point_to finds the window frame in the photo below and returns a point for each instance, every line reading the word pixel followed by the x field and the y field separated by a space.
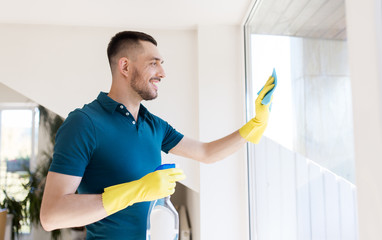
pixel 249 100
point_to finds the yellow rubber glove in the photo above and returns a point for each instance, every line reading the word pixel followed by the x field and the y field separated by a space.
pixel 254 129
pixel 155 185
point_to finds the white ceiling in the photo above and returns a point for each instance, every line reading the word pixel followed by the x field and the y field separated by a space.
pixel 324 19
pixel 162 14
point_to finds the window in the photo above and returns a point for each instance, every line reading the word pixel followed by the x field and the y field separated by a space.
pixel 18 148
pixel 301 175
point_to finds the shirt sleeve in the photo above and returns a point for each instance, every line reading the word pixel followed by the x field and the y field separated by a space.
pixel 74 146
pixel 171 137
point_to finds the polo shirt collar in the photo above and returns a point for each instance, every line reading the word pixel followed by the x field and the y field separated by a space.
pixel 110 105
pixel 107 102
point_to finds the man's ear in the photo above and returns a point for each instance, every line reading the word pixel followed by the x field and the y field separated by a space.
pixel 123 66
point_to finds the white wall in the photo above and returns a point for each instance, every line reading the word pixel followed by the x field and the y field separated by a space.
pixel 223 185
pixel 202 96
pixel 47 64
pixel 8 95
pixel 364 21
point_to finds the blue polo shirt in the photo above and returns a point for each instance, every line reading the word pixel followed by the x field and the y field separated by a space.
pixel 103 144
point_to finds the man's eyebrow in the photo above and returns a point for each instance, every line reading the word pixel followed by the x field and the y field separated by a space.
pixel 158 59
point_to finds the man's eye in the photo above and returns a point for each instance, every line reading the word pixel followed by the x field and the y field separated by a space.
pixel 154 63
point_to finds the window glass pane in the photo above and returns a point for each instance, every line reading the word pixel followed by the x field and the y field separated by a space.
pixel 312 112
pixel 268 53
pixel 16 139
pixel 301 174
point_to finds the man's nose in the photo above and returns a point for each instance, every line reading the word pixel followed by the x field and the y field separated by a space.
pixel 161 72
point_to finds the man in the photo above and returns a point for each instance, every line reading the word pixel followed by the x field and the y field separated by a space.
pixel 109 149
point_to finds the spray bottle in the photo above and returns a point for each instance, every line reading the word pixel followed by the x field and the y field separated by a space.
pixel 162 218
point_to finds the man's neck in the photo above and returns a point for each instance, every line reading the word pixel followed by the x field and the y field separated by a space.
pixel 128 99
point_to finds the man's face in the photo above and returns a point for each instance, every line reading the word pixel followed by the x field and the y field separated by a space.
pixel 147 71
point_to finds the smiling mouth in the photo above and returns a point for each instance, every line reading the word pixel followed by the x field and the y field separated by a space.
pixel 155 83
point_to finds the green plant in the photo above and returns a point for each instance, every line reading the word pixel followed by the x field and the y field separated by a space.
pixel 37 178
pixel 35 188
pixel 17 209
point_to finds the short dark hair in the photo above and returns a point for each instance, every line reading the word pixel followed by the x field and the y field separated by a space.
pixel 125 40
